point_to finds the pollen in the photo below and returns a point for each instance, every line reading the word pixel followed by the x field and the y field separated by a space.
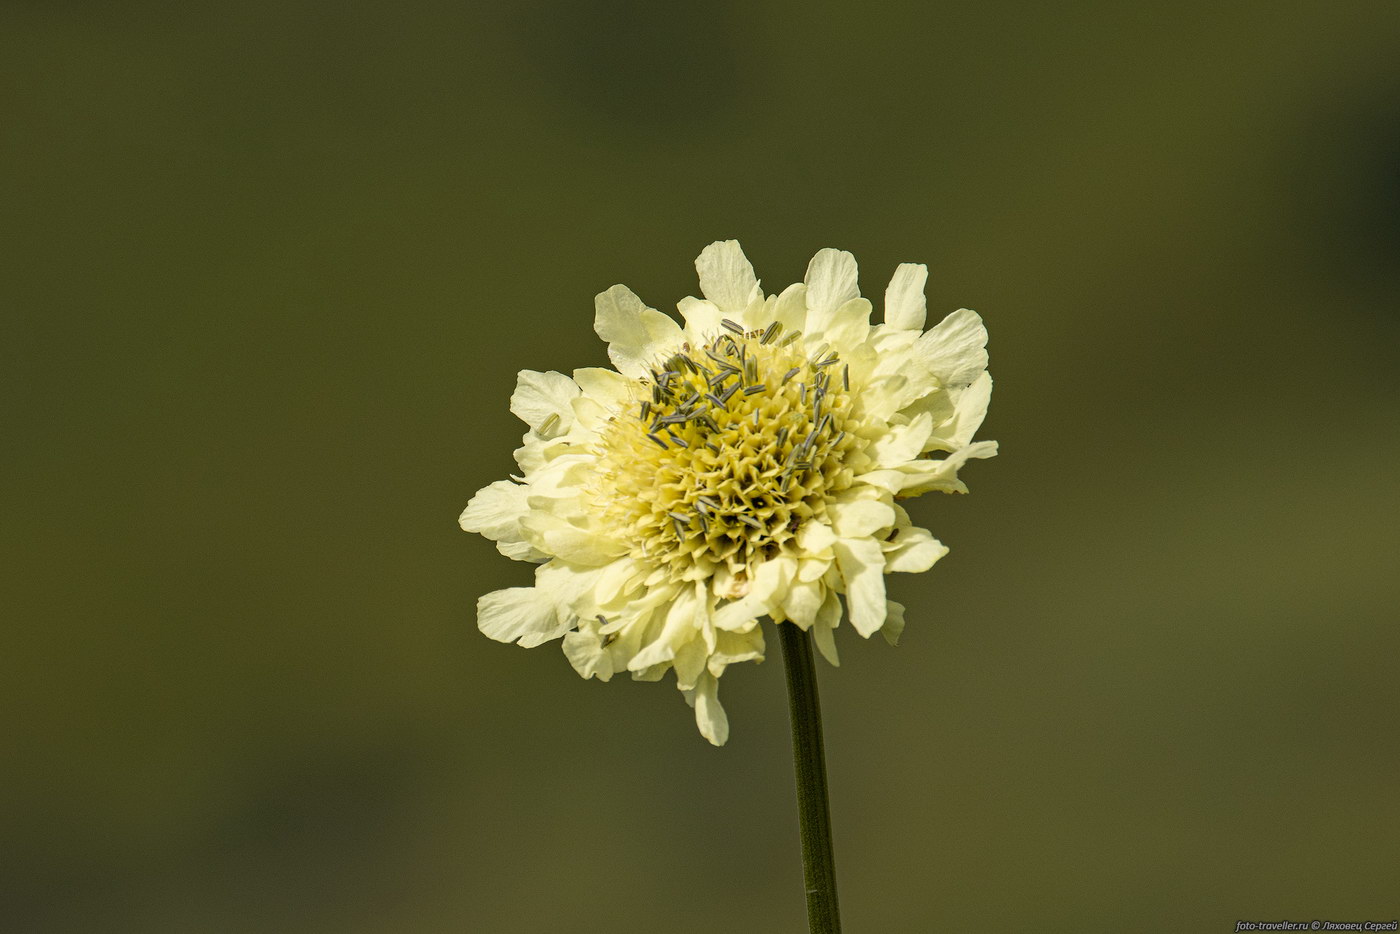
pixel 726 450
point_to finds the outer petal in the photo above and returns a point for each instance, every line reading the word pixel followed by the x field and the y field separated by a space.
pixel 702 318
pixel 603 385
pixel 956 350
pixel 709 715
pixel 905 305
pixel 519 614
pixel 831 282
pixel 790 308
pixel 539 395
pixel 586 652
pixel 970 410
pixel 733 647
pixel 802 602
pixel 766 590
pixel 860 518
pixel 726 277
pixel 680 628
pixel 862 565
pixel 901 443
pixel 914 551
pixel 634 332
pixel 496 510
pixel 849 326
pixel 922 476
pixel 823 627
pixel 894 622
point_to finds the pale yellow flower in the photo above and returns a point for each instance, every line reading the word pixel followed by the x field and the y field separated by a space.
pixel 746 464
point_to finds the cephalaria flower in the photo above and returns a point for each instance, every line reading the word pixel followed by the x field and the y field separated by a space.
pixel 747 463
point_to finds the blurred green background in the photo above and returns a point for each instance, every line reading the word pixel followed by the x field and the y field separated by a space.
pixel 270 272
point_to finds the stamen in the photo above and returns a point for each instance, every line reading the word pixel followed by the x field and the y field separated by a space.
pixel 749 520
pixel 790 374
pixel 548 424
pixel 770 332
pixel 791 339
pixel 846 376
pixel 756 387
pixel 731 326
pixel 659 443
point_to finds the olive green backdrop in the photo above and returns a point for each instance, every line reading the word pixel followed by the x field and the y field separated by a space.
pixel 270 270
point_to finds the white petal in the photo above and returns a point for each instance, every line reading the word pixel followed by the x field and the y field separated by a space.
pixel 522 614
pixel 905 305
pixel 634 332
pixel 955 350
pixel 894 622
pixel 831 282
pixel 914 550
pixel 496 510
pixel 862 565
pixel 709 715
pixel 827 619
pixel 539 395
pixel 726 277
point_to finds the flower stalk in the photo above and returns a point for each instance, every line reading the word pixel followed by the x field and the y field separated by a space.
pixel 809 762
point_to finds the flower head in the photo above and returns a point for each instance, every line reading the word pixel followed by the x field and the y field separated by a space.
pixel 746 464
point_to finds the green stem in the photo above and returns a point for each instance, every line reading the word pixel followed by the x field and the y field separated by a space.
pixel 809 760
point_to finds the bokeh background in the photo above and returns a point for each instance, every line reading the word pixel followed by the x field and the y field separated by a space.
pixel 270 269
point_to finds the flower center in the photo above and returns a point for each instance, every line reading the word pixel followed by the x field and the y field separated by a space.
pixel 726 450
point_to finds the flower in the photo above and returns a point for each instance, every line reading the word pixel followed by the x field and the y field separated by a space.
pixel 745 465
